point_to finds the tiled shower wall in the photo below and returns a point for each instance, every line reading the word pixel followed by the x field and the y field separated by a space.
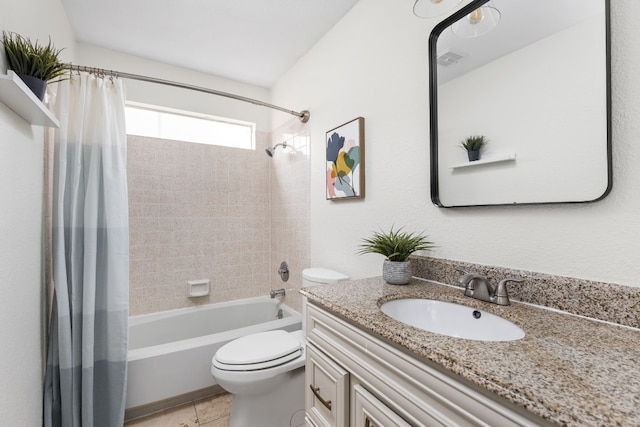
pixel 290 207
pixel 197 212
pixel 224 214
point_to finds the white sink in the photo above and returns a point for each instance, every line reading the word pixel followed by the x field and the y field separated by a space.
pixel 451 319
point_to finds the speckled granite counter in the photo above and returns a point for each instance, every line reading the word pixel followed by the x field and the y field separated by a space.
pixel 567 369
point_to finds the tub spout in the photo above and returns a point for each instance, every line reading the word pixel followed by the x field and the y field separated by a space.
pixel 276 292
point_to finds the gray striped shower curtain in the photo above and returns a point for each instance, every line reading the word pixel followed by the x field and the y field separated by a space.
pixel 85 379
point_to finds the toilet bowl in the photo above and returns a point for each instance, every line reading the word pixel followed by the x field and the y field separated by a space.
pixel 265 374
pixel 265 371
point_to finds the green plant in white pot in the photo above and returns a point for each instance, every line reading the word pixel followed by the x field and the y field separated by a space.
pixel 34 63
pixel 396 246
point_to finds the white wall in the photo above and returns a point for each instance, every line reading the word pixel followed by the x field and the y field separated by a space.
pixel 21 178
pixel 374 64
pixel 150 93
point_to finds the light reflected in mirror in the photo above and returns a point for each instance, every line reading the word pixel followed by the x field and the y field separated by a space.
pixel 536 86
pixel 433 8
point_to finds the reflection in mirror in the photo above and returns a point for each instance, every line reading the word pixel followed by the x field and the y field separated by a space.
pixel 433 8
pixel 536 86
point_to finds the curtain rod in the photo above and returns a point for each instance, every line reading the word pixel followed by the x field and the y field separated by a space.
pixel 302 115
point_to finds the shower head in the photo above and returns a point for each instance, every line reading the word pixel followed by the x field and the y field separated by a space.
pixel 271 150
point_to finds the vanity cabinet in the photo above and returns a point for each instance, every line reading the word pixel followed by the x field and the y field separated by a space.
pixel 371 383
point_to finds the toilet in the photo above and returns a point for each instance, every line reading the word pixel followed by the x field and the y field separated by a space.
pixel 265 371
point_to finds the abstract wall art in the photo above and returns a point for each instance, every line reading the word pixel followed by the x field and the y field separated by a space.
pixel 345 161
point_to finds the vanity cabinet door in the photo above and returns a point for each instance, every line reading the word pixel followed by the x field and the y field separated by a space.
pixel 371 412
pixel 327 390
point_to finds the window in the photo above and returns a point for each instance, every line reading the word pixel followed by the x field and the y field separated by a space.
pixel 166 123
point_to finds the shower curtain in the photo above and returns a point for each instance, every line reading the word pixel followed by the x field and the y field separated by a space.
pixel 85 379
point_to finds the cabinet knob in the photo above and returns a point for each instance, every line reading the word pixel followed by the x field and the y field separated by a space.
pixel 316 393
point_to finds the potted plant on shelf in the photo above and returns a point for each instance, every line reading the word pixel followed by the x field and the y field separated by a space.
pixel 473 144
pixel 396 246
pixel 35 64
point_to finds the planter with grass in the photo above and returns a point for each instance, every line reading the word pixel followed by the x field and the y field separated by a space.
pixel 473 145
pixel 34 63
pixel 396 246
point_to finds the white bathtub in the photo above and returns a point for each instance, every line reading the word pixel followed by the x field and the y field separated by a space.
pixel 170 352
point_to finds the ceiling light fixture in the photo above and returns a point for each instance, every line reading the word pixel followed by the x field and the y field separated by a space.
pixel 479 22
pixel 433 8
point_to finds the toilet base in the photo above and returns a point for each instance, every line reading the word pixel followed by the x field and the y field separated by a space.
pixel 282 406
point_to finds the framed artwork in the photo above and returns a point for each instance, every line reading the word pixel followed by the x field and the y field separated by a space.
pixel 345 161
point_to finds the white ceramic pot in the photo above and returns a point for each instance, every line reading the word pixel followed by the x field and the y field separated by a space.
pixel 396 272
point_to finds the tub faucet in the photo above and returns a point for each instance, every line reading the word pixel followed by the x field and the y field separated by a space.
pixel 276 292
pixel 478 287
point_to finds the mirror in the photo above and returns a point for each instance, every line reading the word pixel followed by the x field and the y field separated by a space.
pixel 537 87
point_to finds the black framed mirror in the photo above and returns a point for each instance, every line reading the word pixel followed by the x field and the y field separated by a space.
pixel 536 85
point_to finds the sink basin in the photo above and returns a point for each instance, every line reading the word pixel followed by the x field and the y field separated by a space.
pixel 451 319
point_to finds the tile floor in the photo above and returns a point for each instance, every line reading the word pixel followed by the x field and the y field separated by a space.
pixel 208 412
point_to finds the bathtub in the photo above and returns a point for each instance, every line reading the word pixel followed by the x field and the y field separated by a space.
pixel 170 352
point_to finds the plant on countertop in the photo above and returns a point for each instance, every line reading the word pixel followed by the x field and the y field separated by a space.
pixel 474 142
pixel 395 245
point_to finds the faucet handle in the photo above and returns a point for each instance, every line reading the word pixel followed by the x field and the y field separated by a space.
pixel 502 295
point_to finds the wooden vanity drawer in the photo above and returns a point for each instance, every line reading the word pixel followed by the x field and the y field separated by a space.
pixel 371 412
pixel 327 392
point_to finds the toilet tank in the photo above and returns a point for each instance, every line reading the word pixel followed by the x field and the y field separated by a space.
pixel 314 277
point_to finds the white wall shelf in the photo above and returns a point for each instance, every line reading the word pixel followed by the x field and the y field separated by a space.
pixel 17 96
pixel 486 161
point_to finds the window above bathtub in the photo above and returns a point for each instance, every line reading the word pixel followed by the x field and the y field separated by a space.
pixel 179 125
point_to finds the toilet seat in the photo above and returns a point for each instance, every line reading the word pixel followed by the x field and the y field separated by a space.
pixel 258 351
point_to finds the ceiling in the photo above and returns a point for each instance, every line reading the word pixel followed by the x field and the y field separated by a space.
pixel 252 41
pixel 522 22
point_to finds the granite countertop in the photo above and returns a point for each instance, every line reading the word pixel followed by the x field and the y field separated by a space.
pixel 567 369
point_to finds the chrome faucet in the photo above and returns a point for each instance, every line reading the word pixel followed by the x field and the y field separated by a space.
pixel 478 287
pixel 276 292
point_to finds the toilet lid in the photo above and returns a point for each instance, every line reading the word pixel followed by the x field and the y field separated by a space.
pixel 258 351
